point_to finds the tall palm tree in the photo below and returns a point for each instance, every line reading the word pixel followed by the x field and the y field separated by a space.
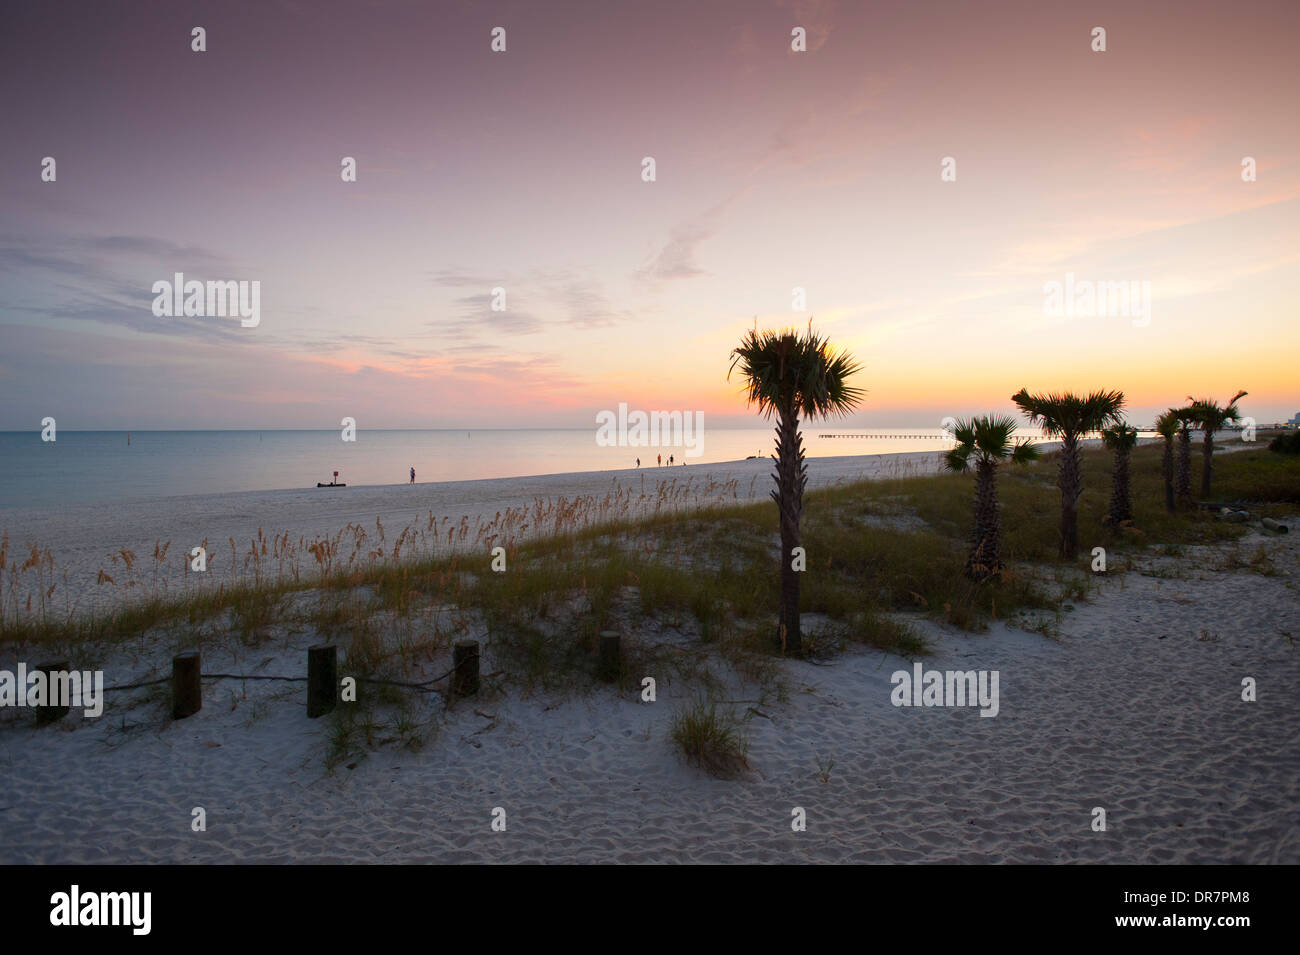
pixel 1069 417
pixel 1167 427
pixel 1186 417
pixel 1212 416
pixel 1120 438
pixel 984 443
pixel 789 375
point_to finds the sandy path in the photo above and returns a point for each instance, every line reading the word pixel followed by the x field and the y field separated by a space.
pixel 1128 710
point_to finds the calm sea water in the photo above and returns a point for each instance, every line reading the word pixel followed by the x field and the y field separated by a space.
pixel 101 467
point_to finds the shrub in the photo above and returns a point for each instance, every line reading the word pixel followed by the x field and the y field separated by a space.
pixel 1286 443
pixel 711 738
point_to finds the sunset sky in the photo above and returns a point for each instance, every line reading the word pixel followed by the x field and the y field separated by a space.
pixel 522 169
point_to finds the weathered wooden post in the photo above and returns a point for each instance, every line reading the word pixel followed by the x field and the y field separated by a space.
pixel 52 709
pixel 187 692
pixel 322 679
pixel 610 665
pixel 464 678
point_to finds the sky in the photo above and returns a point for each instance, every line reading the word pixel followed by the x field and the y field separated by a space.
pixel 775 169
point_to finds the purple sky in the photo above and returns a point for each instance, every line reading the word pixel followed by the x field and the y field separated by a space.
pixel 522 170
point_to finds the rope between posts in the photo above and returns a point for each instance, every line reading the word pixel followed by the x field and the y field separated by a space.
pixel 288 679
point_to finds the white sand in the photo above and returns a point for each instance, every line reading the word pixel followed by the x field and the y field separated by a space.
pixel 1128 710
pixel 83 538
pixel 1135 708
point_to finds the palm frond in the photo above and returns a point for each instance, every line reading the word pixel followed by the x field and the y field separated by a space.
pixel 1119 437
pixel 1167 423
pixel 800 373
pixel 1069 414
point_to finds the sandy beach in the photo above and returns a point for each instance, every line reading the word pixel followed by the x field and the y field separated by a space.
pixel 83 539
pixel 1135 708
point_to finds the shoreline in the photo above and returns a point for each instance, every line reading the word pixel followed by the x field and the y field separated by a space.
pixel 82 540
pixel 1132 702
pixel 85 539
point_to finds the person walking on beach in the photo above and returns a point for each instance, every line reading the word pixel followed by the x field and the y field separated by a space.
pixel 670 460
pixel 661 460
pixel 412 475
pixel 638 462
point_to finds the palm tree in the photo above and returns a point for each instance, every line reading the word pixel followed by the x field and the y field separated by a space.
pixel 1212 417
pixel 1186 417
pixel 1069 417
pixel 1120 438
pixel 1167 427
pixel 986 442
pixel 788 375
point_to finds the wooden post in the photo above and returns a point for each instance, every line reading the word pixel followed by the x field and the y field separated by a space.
pixel 609 655
pixel 322 679
pixel 187 692
pixel 464 679
pixel 53 709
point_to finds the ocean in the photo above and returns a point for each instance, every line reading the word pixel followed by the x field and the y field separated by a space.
pixel 89 467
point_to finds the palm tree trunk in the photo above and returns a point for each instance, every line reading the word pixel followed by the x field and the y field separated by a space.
pixel 1167 465
pixel 1121 508
pixel 1207 462
pixel 791 476
pixel 1184 478
pixel 1071 484
pixel 985 562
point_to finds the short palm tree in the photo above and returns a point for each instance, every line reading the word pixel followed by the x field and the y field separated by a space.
pixel 1069 417
pixel 1186 417
pixel 1212 416
pixel 789 376
pixel 1167 428
pixel 982 444
pixel 1120 438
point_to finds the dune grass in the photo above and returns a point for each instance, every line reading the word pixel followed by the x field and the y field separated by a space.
pixel 688 590
pixel 712 736
pixel 874 548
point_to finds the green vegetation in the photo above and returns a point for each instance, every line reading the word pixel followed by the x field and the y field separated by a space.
pixel 1068 418
pixel 1167 427
pixel 1211 418
pixel 1286 443
pixel 982 444
pixel 692 593
pixel 790 376
pixel 711 736
pixel 1120 439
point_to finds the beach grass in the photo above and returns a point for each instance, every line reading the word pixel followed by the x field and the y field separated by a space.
pixel 711 735
pixel 694 594
pixel 892 545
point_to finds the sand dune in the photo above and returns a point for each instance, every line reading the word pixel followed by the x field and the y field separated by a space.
pixel 1135 708
pixel 82 539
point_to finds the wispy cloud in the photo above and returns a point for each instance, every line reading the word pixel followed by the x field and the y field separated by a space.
pixel 677 258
